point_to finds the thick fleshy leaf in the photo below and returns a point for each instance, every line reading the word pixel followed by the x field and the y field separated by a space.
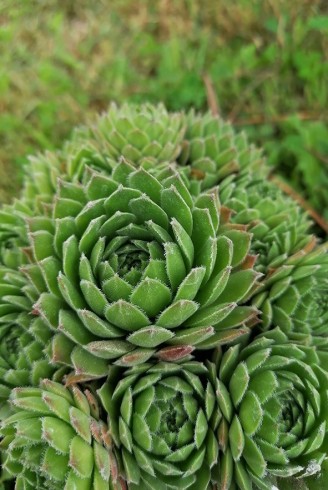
pixel 191 284
pixel 239 383
pixel 184 241
pixel 175 266
pixel 177 313
pixel 150 336
pixel 57 433
pixel 146 183
pixel 126 316
pixel 236 438
pixel 88 364
pixel 98 326
pixel 175 207
pixel 191 336
pixel 250 413
pixel 109 349
pixel 151 296
pixel 71 325
pixel 211 315
pixel 145 209
pixel 94 297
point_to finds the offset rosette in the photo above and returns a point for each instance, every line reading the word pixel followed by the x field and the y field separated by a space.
pixel 22 360
pixel 56 440
pixel 22 343
pixel 13 235
pixel 41 174
pixel 293 296
pixel 134 267
pixel 206 149
pixel 140 133
pixel 279 226
pixel 23 338
pixel 308 321
pixel 312 320
pixel 274 399
pixel 213 150
pixel 162 418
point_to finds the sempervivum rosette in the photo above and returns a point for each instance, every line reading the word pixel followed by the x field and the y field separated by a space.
pixel 290 296
pixel 22 341
pixel 22 359
pixel 163 419
pixel 274 399
pixel 312 320
pixel 204 147
pixel 56 440
pixel 41 174
pixel 178 303
pixel 302 307
pixel 145 135
pixel 134 267
pixel 13 235
pixel 279 226
pixel 212 150
pixel 140 133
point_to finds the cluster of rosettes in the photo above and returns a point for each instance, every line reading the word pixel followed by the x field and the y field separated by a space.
pixel 163 315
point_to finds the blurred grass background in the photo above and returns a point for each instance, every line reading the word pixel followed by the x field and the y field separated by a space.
pixel 263 64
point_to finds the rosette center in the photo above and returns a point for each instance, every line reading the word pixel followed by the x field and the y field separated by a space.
pixel 130 261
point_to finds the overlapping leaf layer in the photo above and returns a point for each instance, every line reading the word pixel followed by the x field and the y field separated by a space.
pixel 163 417
pixel 128 273
pixel 56 440
pixel 163 315
pixel 273 396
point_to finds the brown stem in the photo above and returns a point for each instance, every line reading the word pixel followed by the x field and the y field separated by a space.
pixel 212 100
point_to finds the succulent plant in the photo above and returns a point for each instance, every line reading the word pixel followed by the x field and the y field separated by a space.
pixel 163 419
pixel 163 315
pixel 279 226
pixel 291 295
pixel 22 357
pixel 213 151
pixel 56 440
pixel 204 147
pixel 129 275
pixel 13 235
pixel 141 133
pixel 273 397
pixel 22 342
pixel 144 135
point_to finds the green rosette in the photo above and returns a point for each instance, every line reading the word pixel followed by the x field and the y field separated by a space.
pixel 151 243
pixel 293 296
pixel 203 147
pixel 163 419
pixel 309 320
pixel 145 135
pixel 22 360
pixel 212 151
pixel 279 226
pixel 140 133
pixel 56 440
pixel 22 341
pixel 135 268
pixel 273 397
pixel 13 235
pixel 40 179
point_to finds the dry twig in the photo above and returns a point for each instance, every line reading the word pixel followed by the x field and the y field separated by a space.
pixel 212 100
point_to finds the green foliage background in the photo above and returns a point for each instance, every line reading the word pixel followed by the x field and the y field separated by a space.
pixel 267 61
